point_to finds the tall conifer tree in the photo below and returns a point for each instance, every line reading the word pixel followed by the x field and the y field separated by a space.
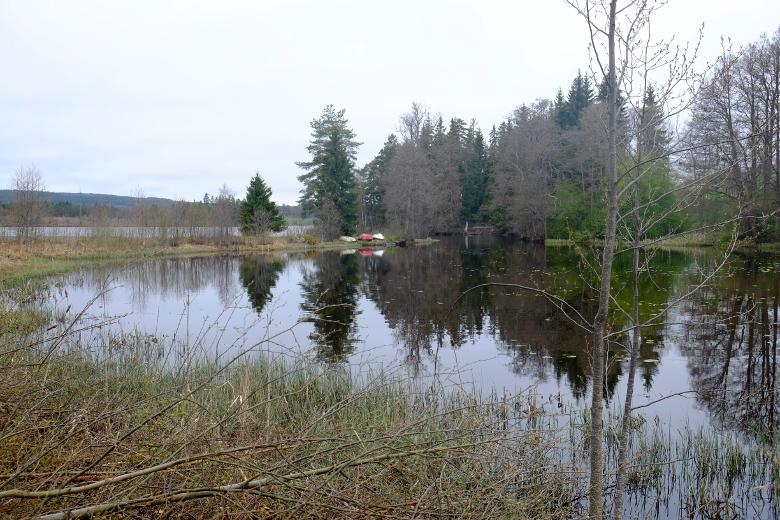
pixel 329 174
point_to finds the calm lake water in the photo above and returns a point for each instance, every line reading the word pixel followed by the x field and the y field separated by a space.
pixel 399 309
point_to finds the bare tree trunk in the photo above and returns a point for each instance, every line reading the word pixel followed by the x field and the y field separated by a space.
pixel 625 427
pixel 776 111
pixel 596 509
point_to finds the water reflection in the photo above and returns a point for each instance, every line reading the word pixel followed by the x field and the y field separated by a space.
pixel 330 290
pixel 401 307
pixel 174 279
pixel 732 346
pixel 259 275
pixel 728 331
pixel 417 290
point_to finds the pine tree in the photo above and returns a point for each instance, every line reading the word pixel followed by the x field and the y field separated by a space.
pixel 330 172
pixel 457 130
pixel 568 111
pixel 439 132
pixel 654 137
pixel 601 96
pixel 258 213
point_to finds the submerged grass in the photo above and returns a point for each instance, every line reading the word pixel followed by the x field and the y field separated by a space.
pixel 698 472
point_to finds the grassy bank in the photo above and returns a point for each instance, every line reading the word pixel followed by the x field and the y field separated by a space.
pixel 682 242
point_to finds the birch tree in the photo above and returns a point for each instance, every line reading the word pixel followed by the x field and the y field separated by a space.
pixel 624 58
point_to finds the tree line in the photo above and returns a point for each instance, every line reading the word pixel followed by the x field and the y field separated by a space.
pixel 214 218
pixel 540 173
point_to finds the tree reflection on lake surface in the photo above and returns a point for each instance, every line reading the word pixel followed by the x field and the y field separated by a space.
pixel 401 308
pixel 330 288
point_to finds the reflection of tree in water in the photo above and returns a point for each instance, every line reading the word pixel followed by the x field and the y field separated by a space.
pixel 732 345
pixel 330 293
pixel 416 290
pixel 174 278
pixel 258 275
pixel 657 287
pixel 534 331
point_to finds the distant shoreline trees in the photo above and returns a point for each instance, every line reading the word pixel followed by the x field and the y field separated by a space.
pixel 735 127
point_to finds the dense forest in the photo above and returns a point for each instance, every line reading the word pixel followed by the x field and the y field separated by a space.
pixel 539 173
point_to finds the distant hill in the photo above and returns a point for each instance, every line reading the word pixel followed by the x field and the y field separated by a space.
pixel 89 199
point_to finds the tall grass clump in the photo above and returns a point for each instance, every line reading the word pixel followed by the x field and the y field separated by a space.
pixel 697 472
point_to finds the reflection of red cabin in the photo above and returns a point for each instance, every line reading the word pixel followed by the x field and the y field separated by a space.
pixel 365 252
pixel 366 237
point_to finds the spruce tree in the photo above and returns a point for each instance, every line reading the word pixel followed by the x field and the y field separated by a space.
pixel 258 213
pixel 652 133
pixel 580 97
pixel 561 110
pixel 330 175
pixel 457 131
pixel 473 177
pixel 373 183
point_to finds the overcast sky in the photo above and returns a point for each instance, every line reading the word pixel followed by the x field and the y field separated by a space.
pixel 177 97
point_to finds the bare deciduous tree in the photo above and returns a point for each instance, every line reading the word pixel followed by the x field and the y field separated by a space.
pixel 523 171
pixel 327 220
pixel 225 213
pixel 28 207
pixel 624 56
pixel 422 188
pixel 735 125
pixel 260 224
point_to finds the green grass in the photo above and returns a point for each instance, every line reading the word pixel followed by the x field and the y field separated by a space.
pixel 558 242
pixel 16 322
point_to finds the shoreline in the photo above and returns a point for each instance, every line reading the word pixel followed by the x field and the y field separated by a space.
pixel 20 263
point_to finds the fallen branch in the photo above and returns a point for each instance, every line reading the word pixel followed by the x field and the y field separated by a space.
pixel 240 487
